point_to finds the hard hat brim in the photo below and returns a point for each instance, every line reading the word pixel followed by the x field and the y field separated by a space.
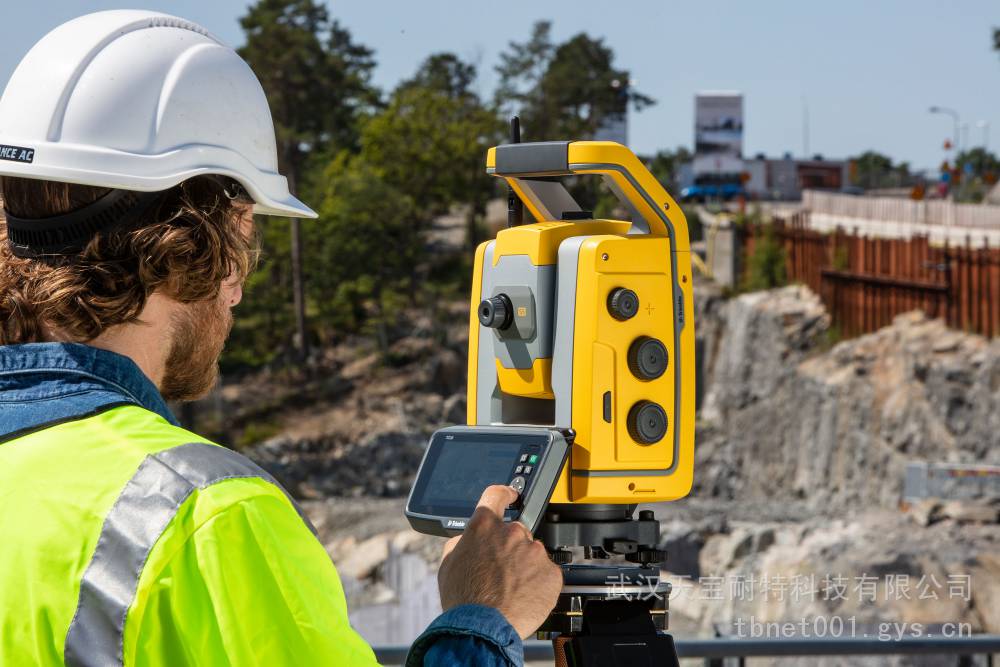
pixel 292 207
pixel 106 168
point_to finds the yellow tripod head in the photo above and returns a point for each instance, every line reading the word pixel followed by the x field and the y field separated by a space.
pixel 588 324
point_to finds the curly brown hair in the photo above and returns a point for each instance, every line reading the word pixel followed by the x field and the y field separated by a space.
pixel 191 242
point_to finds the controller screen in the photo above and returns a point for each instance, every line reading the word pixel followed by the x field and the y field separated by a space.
pixel 464 469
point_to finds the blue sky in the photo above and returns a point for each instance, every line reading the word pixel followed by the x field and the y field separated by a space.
pixel 867 70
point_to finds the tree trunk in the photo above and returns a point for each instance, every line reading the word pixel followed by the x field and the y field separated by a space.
pixel 471 233
pixel 298 291
pixel 475 215
pixel 381 330
pixel 298 285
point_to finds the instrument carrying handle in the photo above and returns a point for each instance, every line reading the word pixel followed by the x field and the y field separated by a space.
pixel 523 165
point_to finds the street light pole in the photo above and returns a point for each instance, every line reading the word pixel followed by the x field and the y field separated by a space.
pixel 984 125
pixel 955 117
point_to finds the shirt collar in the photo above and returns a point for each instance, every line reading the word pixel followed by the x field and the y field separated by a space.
pixel 116 372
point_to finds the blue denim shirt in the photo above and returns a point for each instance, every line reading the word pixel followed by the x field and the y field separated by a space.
pixel 42 384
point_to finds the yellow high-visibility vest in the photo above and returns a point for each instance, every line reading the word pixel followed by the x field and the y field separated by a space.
pixel 129 541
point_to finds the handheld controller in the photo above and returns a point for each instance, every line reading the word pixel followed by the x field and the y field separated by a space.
pixel 461 461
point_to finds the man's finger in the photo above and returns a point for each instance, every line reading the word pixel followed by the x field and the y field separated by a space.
pixel 496 498
pixel 519 529
pixel 449 546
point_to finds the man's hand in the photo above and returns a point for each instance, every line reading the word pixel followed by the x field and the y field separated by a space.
pixel 500 565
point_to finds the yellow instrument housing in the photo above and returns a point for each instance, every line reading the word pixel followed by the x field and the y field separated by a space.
pixel 574 371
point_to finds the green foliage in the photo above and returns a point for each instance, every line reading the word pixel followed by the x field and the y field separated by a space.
pixel 420 154
pixel 841 258
pixel 521 67
pixel 766 264
pixel 445 73
pixel 362 253
pixel 255 433
pixel 431 140
pixel 563 91
pixel 834 334
pixel 977 171
pixel 316 77
pixel 872 162
pixel 262 327
pixel 317 80
pixel 566 91
pixel 875 170
pixel 982 163
pixel 607 205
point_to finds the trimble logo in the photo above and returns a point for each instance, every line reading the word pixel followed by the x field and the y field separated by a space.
pixel 455 523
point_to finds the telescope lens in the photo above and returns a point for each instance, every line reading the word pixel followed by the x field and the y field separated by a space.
pixel 647 422
pixel 496 312
pixel 647 358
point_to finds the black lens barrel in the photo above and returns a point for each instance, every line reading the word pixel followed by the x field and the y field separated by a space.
pixel 496 312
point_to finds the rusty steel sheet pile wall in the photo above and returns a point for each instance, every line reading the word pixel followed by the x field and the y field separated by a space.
pixel 865 282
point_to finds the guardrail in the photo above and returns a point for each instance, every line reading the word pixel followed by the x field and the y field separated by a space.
pixel 950 481
pixel 940 213
pixel 713 649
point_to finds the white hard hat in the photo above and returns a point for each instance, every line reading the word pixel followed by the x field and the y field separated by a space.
pixel 141 101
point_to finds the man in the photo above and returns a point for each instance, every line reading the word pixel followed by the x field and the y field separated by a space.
pixel 134 148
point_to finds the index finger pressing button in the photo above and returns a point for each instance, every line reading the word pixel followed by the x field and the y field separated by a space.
pixel 517 484
pixel 495 499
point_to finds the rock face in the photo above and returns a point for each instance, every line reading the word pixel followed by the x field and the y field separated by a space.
pixel 785 417
pixel 378 465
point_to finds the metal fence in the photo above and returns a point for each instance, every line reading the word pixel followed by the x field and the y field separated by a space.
pixel 715 649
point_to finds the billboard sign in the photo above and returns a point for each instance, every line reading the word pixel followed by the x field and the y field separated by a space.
pixel 718 131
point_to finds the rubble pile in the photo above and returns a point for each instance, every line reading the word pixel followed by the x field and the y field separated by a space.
pixel 870 567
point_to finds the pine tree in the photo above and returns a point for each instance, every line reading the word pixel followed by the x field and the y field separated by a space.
pixel 317 81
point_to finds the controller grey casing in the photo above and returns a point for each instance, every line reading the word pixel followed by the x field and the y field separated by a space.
pixel 533 500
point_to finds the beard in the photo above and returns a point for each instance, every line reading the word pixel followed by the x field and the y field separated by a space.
pixel 199 334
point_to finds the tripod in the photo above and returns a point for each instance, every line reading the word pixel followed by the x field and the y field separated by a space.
pixel 610 613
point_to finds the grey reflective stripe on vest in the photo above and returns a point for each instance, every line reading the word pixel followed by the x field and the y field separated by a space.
pixel 138 518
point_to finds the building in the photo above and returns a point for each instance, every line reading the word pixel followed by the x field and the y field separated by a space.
pixel 786 177
pixel 719 170
pixel 718 133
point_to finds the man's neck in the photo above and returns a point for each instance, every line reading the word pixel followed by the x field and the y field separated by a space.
pixel 146 341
